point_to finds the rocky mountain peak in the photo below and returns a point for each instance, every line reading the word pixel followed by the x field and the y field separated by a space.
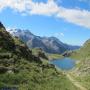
pixel 48 44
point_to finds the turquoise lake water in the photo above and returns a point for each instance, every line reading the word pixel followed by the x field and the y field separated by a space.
pixel 64 63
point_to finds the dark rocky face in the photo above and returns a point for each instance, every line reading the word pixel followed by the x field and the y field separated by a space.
pixel 1 25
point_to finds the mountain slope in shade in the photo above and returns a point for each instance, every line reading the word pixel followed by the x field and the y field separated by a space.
pixel 48 44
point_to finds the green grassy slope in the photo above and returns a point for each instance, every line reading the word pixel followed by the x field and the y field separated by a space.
pixel 83 52
pixel 39 52
pixel 36 78
pixel 82 71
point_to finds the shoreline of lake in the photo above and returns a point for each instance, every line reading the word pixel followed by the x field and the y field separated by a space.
pixel 64 63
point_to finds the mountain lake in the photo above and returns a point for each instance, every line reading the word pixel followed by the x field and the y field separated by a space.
pixel 64 63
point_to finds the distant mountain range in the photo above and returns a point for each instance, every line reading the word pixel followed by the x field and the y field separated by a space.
pixel 48 44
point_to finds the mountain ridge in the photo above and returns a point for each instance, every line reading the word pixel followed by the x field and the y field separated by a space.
pixel 48 44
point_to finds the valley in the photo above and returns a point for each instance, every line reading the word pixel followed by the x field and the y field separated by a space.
pixel 21 68
pixel 28 68
pixel 44 44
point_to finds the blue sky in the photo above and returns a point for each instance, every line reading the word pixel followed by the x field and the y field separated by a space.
pixel 68 20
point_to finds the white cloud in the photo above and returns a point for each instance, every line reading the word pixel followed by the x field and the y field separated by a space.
pixel 17 5
pixel 50 8
pixel 76 16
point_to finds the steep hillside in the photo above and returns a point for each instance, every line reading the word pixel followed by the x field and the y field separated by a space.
pixel 20 70
pixel 12 50
pixel 83 52
pixel 6 42
pixel 82 71
pixel 48 44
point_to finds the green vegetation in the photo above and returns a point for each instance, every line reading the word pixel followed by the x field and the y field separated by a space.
pixel 24 69
pixel 31 78
pixel 83 52
pixel 82 71
pixel 54 56
pixel 39 52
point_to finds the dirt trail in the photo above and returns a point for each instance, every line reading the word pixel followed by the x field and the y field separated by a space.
pixel 76 83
